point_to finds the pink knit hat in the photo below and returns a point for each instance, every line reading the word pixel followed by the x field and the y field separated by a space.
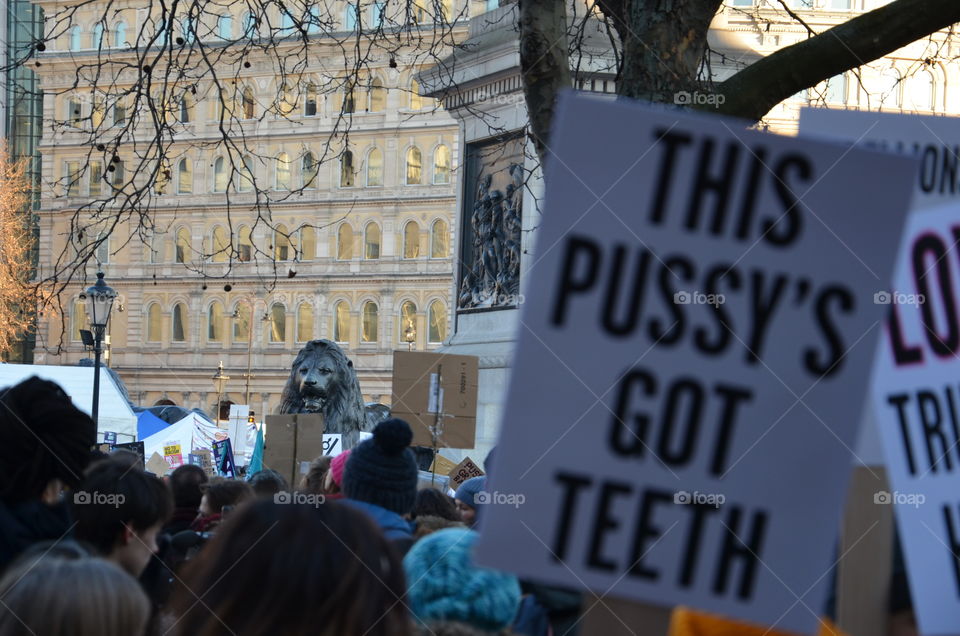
pixel 337 464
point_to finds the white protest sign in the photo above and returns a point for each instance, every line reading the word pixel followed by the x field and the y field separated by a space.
pixel 332 444
pixel 237 429
pixel 701 319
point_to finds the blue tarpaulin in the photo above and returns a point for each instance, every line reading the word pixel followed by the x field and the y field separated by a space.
pixel 148 424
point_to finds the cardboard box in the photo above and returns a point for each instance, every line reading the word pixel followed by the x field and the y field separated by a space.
pixel 291 442
pixel 441 465
pixel 424 383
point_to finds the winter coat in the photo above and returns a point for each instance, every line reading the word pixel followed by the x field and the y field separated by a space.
pixel 28 522
pixel 395 528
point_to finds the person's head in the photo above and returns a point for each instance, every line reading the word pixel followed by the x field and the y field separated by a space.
pixel 64 592
pixel 312 482
pixel 433 503
pixel 219 493
pixel 267 483
pixel 445 585
pixel 186 482
pixel 119 510
pixel 382 470
pixel 333 480
pixel 467 502
pixel 315 560
pixel 127 458
pixel 46 441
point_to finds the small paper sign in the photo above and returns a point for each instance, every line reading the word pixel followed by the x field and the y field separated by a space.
pixel 173 455
pixel 332 445
pixel 463 471
pixel 109 437
pixel 157 465
pixel 223 458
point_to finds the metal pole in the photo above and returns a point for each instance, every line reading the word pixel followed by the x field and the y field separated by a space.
pixel 435 433
pixel 249 352
pixel 96 376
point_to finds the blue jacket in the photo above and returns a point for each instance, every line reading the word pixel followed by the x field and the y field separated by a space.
pixel 394 526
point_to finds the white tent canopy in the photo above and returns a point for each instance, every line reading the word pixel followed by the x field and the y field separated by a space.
pixel 77 382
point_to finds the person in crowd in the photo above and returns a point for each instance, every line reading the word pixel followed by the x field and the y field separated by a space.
pixel 186 482
pixel 449 594
pixel 220 496
pixel 467 501
pixel 127 458
pixel 119 511
pixel 46 446
pixel 312 482
pixel 333 481
pixel 380 478
pixel 430 502
pixel 61 589
pixel 267 483
pixel 296 570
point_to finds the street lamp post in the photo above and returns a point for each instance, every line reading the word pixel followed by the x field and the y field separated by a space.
pixel 100 298
pixel 410 335
pixel 219 383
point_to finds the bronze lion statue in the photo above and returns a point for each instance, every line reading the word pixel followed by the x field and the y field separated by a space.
pixel 323 380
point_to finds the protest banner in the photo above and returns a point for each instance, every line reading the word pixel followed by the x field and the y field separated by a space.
pixel 109 437
pixel 291 442
pixel 912 414
pixel 173 455
pixel 223 458
pixel 464 471
pixel 700 322
pixel 332 444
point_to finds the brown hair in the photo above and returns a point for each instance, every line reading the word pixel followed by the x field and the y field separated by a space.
pixel 326 571
pixel 75 596
pixel 222 492
pixel 312 482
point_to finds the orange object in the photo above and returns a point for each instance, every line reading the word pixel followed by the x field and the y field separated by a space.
pixel 688 622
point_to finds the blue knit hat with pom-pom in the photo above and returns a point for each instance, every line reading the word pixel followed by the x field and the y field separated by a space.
pixel 382 470
pixel 446 585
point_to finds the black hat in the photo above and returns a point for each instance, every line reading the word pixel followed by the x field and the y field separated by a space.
pixel 382 470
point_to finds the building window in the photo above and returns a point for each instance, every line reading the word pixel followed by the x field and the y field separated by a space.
pixel 350 17
pixel 839 5
pixel 79 318
pixel 242 323
pixel 245 179
pixel 97 42
pixel 308 171
pixel 183 245
pixel 76 33
pixel 244 245
pixel 72 178
pixel 371 241
pixel 250 25
pixel 376 97
pixel 120 34
pixel 313 19
pixel 304 322
pixel 281 243
pixel 188 31
pixel 278 323
pixel 119 113
pixel 377 11
pixel 248 110
pixel 920 91
pixel 368 331
pixel 179 323
pixel 341 322
pixel 416 101
pixel 408 321
pixel 155 247
pixel 411 240
pixel 286 23
pixel 414 166
pixel 225 27
pixel 161 179
pixel 94 176
pixel 310 100
pixel 287 103
pixel 215 322
pixel 154 323
pixel 346 169
pixel 283 172
pixel 186 109
pixel 890 89
pixel 349 98
pixel 439 239
pixel 375 167
pixel 221 245
pixel 308 243
pixel 836 90
pixel 102 252
pixel 75 112
pixel 437 331
pixel 118 174
pixel 219 175
pixel 184 177
pixel 441 165
pixel 345 243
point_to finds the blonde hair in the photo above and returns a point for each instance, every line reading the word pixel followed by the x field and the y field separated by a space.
pixel 71 597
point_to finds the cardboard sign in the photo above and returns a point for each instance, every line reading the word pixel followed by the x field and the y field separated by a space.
pixel 237 428
pixel 441 465
pixel 331 444
pixel 463 471
pixel 204 459
pixel 223 459
pixel 290 440
pixel 133 447
pixel 694 353
pixel 109 437
pixel 157 465
pixel 436 388
pixel 173 455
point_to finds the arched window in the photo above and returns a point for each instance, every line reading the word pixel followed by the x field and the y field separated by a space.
pixel 286 23
pixel 346 169
pixel 184 177
pixel 188 30
pixel 183 245
pixel 286 102
pixel 836 89
pixel 308 171
pixel 76 33
pixel 162 33
pixel 215 322
pixel 350 17
pixel 225 27
pixel 281 243
pixel 244 245
pixel 160 182
pixel 341 322
pixel 79 317
pixel 441 165
pixel 120 34
pixel 371 241
pixel 408 322
pixel 98 36
pixel 154 323
pixel 376 97
pixel 375 167
pixel 245 179
pixel 439 239
pixel 345 243
pixel 156 248
pixel 414 166
pixel 349 98
pixel 179 333
pixel 308 243
pixel 103 249
pixel 437 331
pixel 250 25
pixel 186 109
pixel 890 86
pixel 221 245
pixel 368 328
pixel 313 19
pixel 283 172
pixel 248 112
pixel 304 322
pixel 310 100
pixel 920 91
pixel 411 240
pixel 278 323
pixel 241 323
pixel 416 101
pixel 219 175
